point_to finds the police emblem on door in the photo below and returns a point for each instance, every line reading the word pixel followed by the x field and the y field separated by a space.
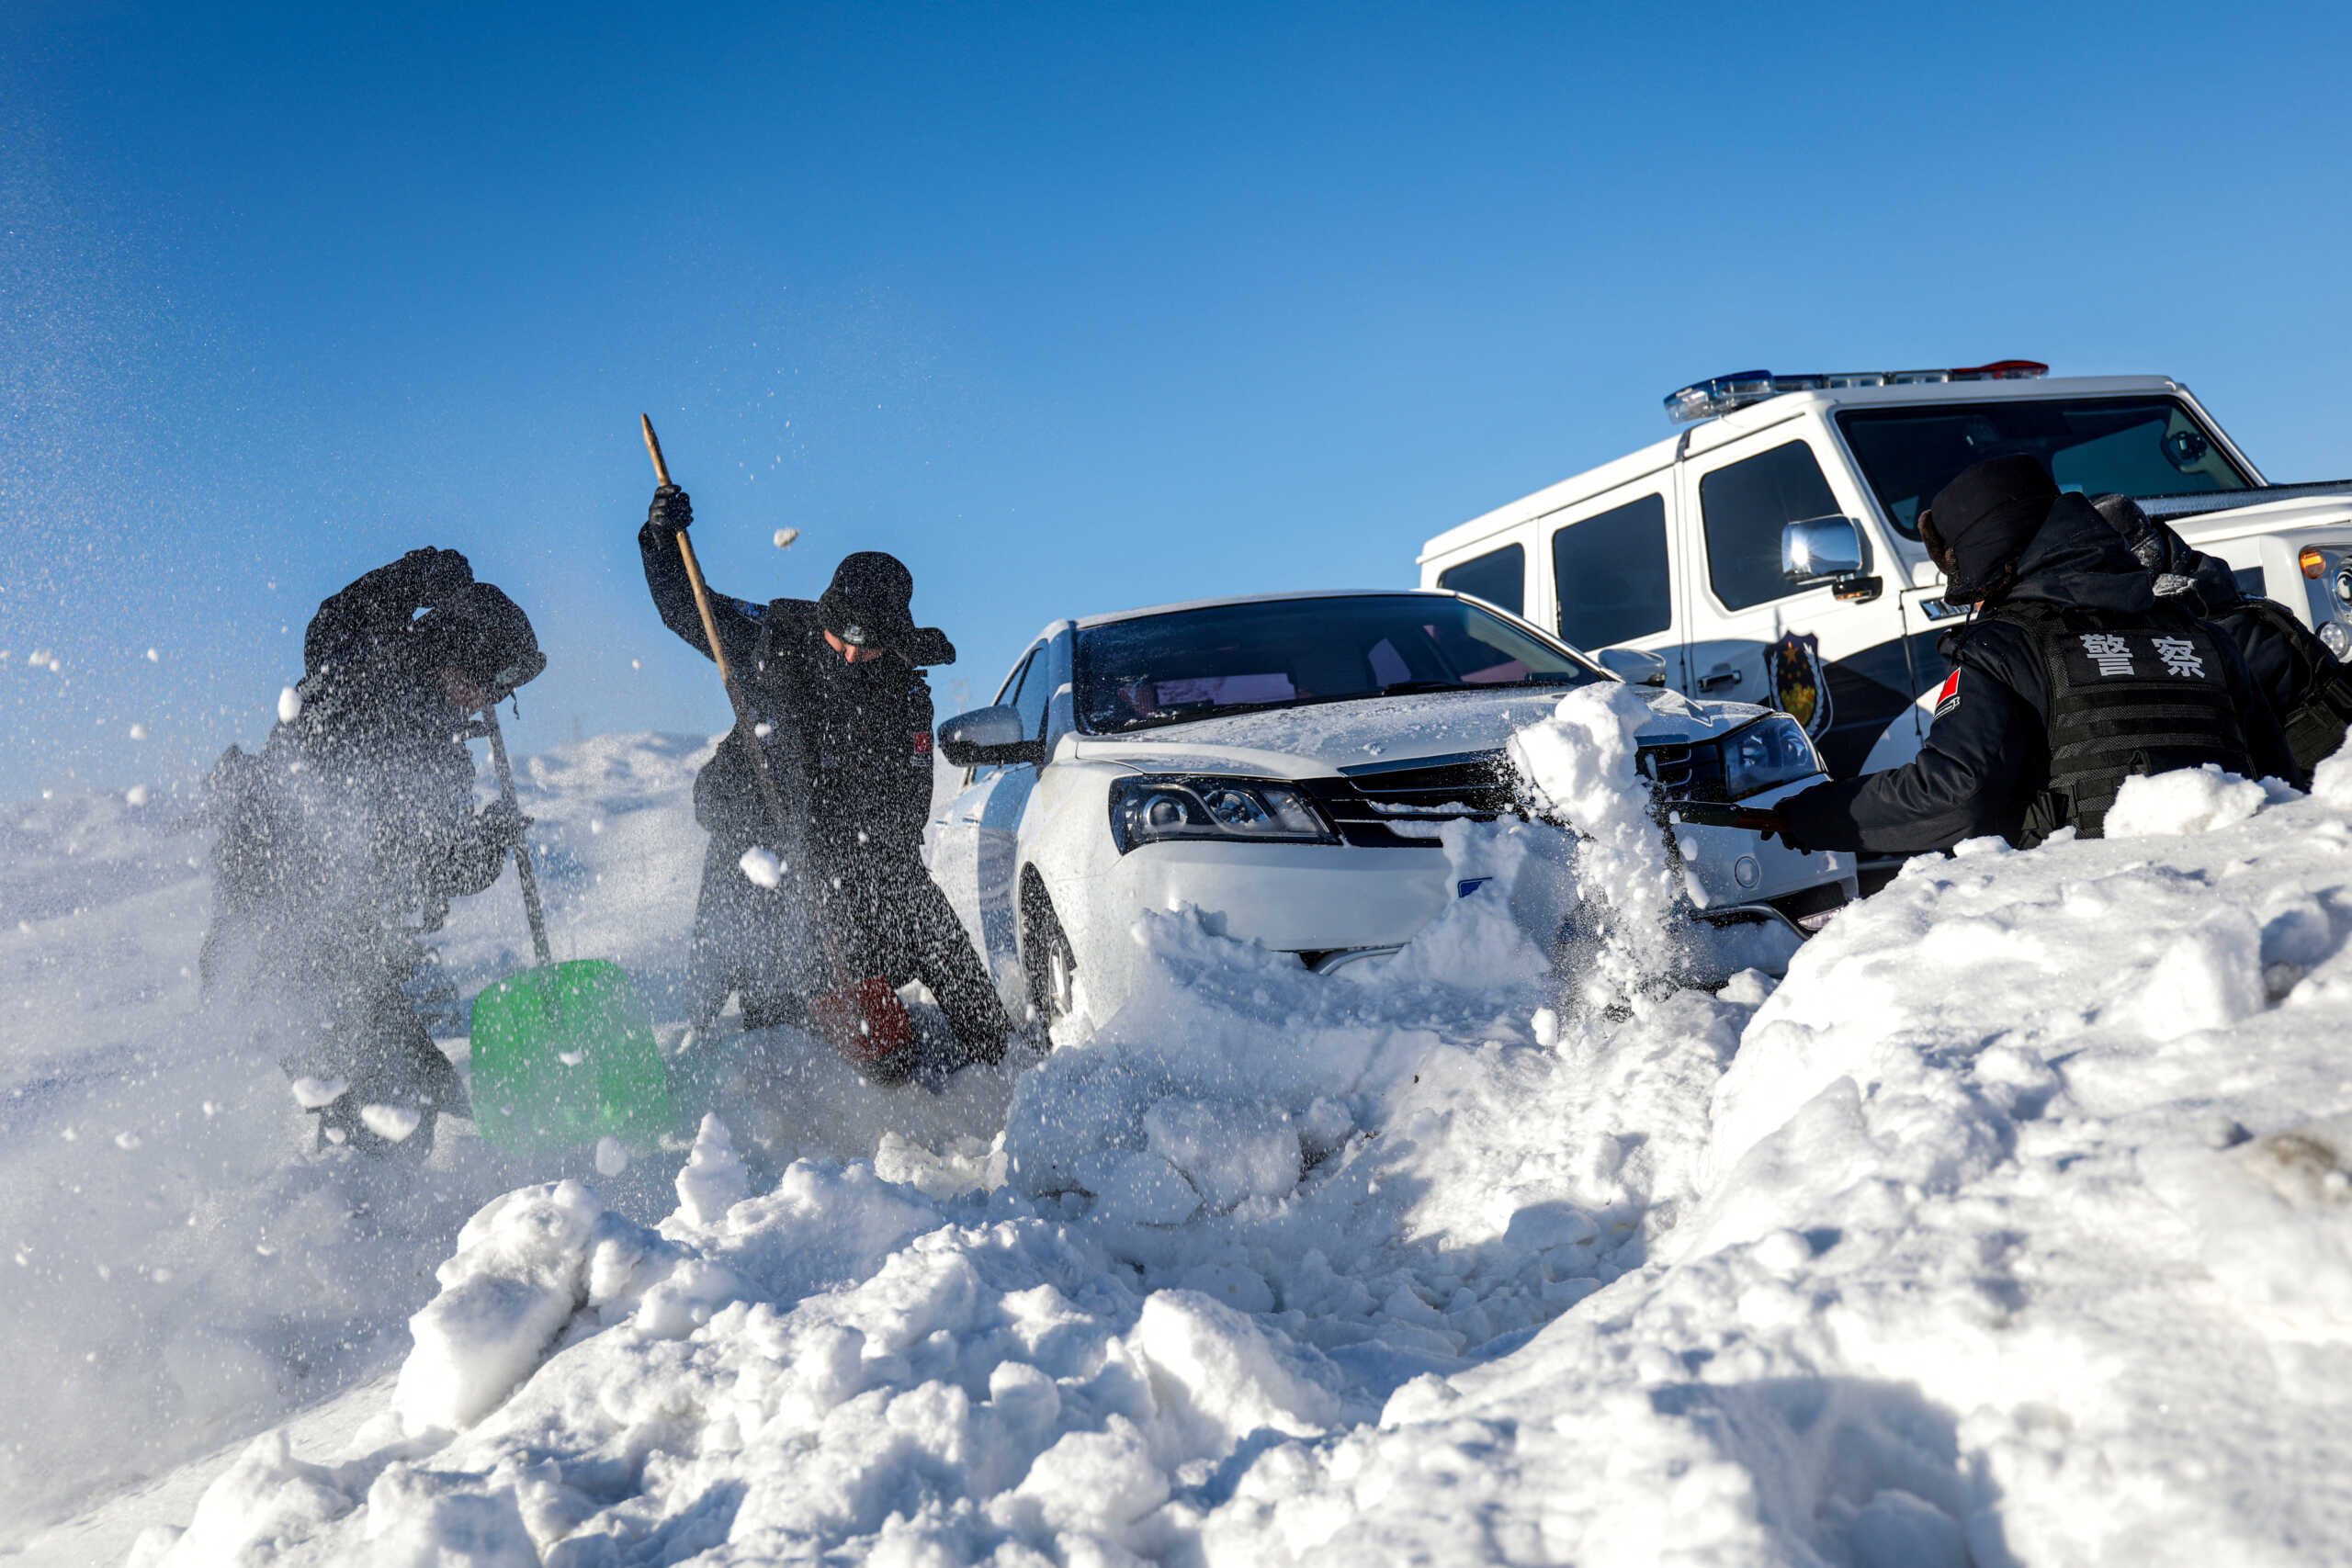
pixel 1799 686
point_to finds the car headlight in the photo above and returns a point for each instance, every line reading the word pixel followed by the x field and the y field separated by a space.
pixel 1148 808
pixel 1768 752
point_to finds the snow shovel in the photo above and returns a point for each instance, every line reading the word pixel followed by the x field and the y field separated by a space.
pixel 563 1052
pixel 861 1019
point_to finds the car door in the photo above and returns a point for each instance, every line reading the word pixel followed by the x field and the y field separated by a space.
pixel 1612 559
pixel 974 842
pixel 1755 637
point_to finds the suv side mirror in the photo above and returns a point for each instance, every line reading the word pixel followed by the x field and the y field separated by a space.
pixel 1635 666
pixel 1831 550
pixel 989 737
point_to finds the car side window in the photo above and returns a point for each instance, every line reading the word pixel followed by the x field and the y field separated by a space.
pixel 1745 505
pixel 1611 573
pixel 1499 577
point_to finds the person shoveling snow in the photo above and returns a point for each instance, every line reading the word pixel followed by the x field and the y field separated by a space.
pixel 815 900
pixel 342 842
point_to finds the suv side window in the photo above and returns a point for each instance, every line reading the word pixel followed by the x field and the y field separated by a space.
pixel 1611 570
pixel 1035 691
pixel 1009 695
pixel 1745 505
pixel 1499 577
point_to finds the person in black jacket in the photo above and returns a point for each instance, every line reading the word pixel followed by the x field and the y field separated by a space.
pixel 842 711
pixel 2307 686
pixel 342 842
pixel 2072 677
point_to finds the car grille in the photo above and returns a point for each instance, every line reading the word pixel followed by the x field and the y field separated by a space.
pixel 1367 802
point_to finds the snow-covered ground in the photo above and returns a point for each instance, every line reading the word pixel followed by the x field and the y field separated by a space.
pixel 2014 1226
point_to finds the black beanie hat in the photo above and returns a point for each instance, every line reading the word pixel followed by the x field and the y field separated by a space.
pixel 866 604
pixel 1985 518
pixel 484 635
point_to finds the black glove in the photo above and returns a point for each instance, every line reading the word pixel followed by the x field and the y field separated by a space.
pixel 671 511
pixel 502 824
pixel 1779 829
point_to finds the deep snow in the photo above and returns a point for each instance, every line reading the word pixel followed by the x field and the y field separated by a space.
pixel 2014 1226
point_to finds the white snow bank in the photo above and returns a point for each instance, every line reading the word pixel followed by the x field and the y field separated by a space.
pixel 2188 800
pixel 2011 1228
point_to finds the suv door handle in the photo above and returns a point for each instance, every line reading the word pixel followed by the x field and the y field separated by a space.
pixel 1721 675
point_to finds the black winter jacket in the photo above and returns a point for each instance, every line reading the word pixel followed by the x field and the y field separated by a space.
pixel 352 830
pixel 1987 755
pixel 850 744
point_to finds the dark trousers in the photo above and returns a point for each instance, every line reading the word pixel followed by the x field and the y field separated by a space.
pixel 885 916
pixel 893 920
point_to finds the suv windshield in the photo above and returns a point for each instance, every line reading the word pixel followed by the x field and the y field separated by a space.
pixel 2094 446
pixel 1192 664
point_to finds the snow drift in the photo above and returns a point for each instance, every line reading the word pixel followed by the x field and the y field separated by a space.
pixel 2011 1227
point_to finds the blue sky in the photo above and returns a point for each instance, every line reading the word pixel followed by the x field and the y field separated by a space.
pixel 1073 308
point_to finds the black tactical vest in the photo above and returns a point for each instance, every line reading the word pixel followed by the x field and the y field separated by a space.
pixel 2130 693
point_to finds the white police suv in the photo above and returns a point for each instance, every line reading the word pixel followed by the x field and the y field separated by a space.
pixel 1771 551
pixel 1275 762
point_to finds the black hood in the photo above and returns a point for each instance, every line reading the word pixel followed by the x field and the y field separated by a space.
pixel 2076 558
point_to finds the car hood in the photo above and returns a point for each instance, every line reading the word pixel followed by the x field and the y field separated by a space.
pixel 1333 738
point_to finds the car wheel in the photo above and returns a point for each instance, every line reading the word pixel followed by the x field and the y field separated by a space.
pixel 1046 958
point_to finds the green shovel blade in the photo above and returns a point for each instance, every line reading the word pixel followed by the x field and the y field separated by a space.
pixel 564 1055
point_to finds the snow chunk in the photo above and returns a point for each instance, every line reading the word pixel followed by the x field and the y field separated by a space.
pixel 135 795
pixel 1138 1188
pixel 2210 977
pixel 316 1094
pixel 714 1178
pixel 762 867
pixel 2187 800
pixel 612 1156
pixel 392 1122
pixel 289 706
pixel 2331 779
pixel 266 1497
pixel 1218 1371
pixel 524 1266
pixel 1227 1152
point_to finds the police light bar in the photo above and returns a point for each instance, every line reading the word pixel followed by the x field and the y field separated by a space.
pixel 1704 400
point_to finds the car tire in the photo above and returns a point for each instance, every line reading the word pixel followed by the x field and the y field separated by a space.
pixel 1048 960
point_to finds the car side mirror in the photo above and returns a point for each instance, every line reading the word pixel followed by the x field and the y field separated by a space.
pixel 1635 666
pixel 989 737
pixel 1831 550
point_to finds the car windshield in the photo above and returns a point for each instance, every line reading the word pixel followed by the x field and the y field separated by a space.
pixel 1190 664
pixel 2092 447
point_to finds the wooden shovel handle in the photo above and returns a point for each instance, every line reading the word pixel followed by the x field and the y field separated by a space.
pixel 744 720
pixel 653 450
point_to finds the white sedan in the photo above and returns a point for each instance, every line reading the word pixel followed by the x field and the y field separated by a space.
pixel 1255 758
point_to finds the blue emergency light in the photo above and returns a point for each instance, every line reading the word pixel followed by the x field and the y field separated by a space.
pixel 1704 400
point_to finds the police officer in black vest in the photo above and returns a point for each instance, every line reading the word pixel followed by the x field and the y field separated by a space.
pixel 842 710
pixel 2073 677
pixel 2308 687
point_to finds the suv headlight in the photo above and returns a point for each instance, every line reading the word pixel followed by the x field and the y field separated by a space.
pixel 1768 752
pixel 1150 808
